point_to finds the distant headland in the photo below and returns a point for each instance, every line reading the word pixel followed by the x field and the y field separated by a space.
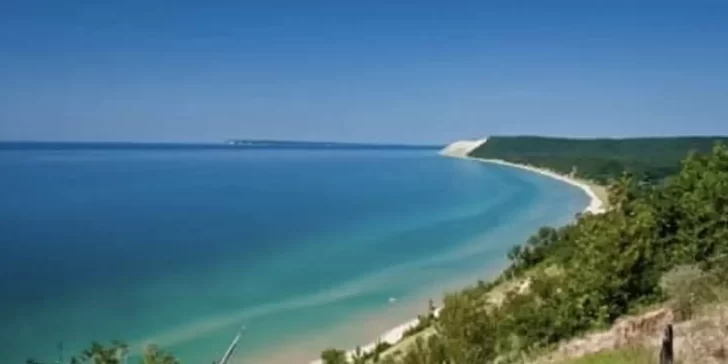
pixel 262 143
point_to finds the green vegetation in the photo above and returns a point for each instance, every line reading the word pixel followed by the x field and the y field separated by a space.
pixel 657 242
pixel 598 159
pixel 334 356
pixel 690 288
pixel 115 353
pixel 424 321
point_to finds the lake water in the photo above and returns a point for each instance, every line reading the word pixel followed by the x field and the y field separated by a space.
pixel 307 248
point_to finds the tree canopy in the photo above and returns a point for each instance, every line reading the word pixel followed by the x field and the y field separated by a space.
pixel 598 159
pixel 117 353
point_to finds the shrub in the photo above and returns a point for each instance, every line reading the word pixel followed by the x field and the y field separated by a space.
pixel 688 287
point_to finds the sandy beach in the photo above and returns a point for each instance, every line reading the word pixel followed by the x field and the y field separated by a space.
pixel 461 149
pixel 392 337
pixel 596 205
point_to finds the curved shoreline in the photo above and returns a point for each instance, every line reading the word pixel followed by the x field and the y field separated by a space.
pixel 596 206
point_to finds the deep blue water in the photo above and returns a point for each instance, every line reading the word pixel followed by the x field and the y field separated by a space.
pixel 183 246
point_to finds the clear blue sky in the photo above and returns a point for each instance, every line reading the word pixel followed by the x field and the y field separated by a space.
pixel 381 71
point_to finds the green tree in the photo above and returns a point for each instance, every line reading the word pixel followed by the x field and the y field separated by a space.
pixel 334 356
pixel 154 355
pixel 116 353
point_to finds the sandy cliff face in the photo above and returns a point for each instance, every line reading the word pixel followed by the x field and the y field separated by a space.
pixel 462 148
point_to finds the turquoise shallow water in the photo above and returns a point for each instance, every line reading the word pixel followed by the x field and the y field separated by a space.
pixel 182 247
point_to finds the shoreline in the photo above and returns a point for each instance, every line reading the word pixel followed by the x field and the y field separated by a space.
pixel 596 206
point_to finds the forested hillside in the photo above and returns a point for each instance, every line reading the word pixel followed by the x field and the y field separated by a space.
pixel 598 159
pixel 585 275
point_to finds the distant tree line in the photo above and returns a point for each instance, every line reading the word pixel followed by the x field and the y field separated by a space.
pixel 600 160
